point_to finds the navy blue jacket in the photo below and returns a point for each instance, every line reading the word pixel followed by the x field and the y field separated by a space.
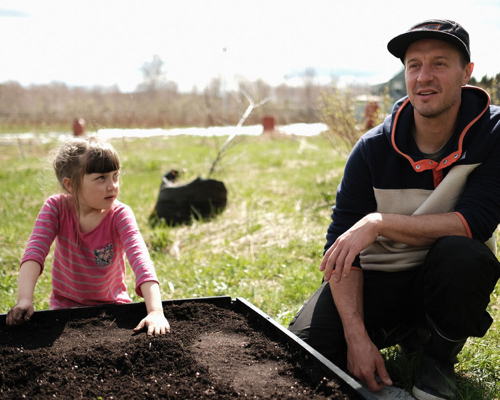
pixel 387 173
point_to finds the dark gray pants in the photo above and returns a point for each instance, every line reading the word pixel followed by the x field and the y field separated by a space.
pixel 452 289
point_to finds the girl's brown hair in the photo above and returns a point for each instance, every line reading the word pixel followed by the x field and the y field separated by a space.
pixel 80 156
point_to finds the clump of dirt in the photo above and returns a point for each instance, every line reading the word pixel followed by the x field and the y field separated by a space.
pixel 211 353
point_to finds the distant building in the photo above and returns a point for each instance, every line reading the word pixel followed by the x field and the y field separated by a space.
pixel 365 106
pixel 396 85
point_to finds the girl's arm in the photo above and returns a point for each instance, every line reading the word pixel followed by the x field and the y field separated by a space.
pixel 23 310
pixel 140 261
pixel 155 321
pixel 44 232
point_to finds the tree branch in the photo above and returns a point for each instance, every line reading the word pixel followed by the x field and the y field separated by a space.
pixel 243 118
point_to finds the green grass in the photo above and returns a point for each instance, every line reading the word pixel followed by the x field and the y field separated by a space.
pixel 265 247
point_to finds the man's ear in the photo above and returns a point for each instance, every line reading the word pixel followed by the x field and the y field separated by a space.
pixel 468 73
pixel 68 185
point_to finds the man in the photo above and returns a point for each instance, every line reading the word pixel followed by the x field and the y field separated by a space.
pixel 409 257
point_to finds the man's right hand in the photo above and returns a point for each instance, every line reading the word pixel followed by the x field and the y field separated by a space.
pixel 364 360
pixel 341 255
pixel 20 313
pixel 366 363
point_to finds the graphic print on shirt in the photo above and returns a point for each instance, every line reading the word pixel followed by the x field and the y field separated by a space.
pixel 104 256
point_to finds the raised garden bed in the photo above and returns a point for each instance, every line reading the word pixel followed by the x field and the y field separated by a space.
pixel 218 349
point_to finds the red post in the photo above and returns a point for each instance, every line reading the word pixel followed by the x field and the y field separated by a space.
pixel 79 127
pixel 370 110
pixel 268 123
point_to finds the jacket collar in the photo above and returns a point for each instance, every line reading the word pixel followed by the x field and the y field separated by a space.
pixel 475 102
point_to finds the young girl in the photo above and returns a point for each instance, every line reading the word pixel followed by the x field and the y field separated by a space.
pixel 93 231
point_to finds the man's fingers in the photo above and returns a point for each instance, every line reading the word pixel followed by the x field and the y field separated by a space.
pixel 374 385
pixel 371 380
pixel 369 377
pixel 383 374
pixel 328 263
pixel 347 266
pixel 331 270
pixel 339 266
pixel 325 259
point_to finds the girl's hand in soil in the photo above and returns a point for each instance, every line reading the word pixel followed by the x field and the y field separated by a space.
pixel 156 323
pixel 23 310
pixel 20 313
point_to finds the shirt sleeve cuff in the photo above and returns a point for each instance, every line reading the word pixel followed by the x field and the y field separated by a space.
pixel 466 225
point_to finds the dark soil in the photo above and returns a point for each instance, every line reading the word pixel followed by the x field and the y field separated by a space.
pixel 212 353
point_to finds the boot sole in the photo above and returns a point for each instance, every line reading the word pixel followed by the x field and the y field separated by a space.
pixel 420 394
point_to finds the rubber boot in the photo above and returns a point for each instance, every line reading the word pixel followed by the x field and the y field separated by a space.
pixel 435 378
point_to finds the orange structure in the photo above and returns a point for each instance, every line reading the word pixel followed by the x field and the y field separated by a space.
pixel 79 127
pixel 370 111
pixel 268 123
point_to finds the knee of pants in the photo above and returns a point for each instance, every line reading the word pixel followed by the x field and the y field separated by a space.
pixel 318 324
pixel 459 275
pixel 317 313
pixel 458 257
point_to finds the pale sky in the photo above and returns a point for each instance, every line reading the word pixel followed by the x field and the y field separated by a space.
pixel 106 42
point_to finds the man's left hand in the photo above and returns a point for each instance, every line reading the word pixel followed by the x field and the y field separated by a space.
pixel 342 253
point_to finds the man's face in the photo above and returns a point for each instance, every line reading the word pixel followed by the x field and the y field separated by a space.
pixel 434 77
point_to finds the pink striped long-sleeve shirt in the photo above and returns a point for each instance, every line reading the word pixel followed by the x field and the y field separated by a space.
pixel 89 268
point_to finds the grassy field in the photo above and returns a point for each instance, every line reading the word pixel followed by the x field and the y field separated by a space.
pixel 266 247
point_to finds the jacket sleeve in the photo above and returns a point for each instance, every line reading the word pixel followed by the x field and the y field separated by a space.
pixel 480 202
pixel 355 196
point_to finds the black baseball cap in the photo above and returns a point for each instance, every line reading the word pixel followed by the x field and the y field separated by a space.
pixel 440 29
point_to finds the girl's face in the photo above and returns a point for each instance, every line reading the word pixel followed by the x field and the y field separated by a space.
pixel 98 191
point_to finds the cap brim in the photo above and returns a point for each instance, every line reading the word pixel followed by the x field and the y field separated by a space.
pixel 398 46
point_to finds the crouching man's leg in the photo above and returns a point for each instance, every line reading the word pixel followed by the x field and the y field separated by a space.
pixel 319 325
pixel 386 299
pixel 456 281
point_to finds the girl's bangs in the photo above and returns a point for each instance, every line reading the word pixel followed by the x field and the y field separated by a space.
pixel 101 161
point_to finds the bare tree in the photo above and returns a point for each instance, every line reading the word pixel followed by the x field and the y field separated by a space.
pixel 311 92
pixel 224 147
